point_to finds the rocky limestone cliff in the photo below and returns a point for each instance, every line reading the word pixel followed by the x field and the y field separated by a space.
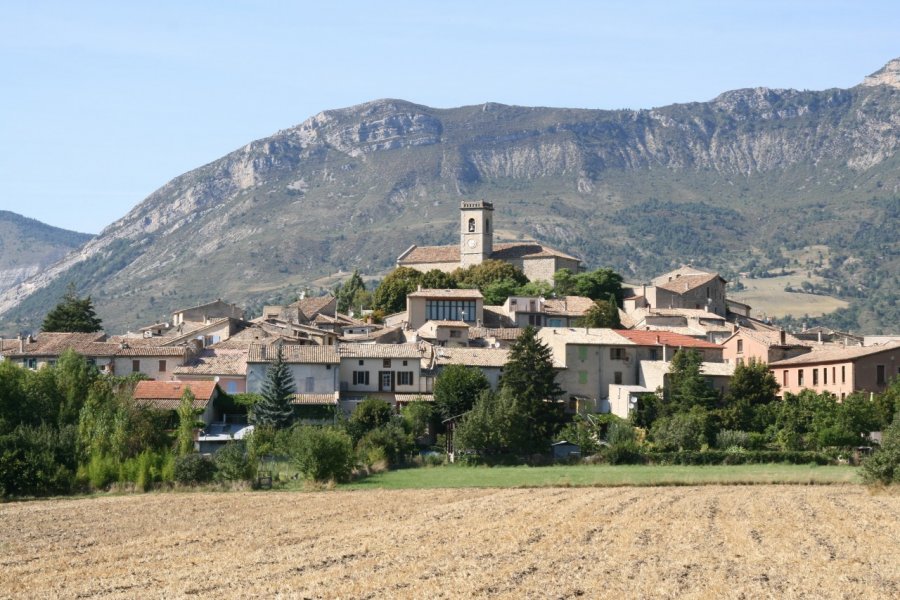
pixel 353 187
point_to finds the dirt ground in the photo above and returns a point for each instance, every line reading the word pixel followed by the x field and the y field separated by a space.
pixel 673 542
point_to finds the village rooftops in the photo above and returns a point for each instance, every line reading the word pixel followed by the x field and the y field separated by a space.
pixel 832 355
pixel 498 333
pixel 502 251
pixel 54 344
pixel 294 353
pixel 449 294
pixel 166 395
pixel 585 335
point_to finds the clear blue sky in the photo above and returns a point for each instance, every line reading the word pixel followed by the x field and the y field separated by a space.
pixel 103 102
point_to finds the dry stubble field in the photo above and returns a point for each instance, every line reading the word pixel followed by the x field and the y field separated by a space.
pixel 671 542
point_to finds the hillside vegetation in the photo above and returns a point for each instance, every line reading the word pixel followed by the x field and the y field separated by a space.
pixel 742 184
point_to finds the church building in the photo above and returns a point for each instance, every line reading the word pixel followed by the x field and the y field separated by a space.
pixel 476 244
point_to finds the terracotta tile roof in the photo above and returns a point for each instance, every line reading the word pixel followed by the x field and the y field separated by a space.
pixel 166 395
pixel 54 344
pixel 311 307
pixel 153 351
pixel 514 250
pixel 686 283
pixel 406 398
pixel 460 294
pixel 499 333
pixel 380 351
pixel 299 354
pixel 582 335
pixel 771 338
pixel 315 399
pixel 829 355
pixel 657 338
pixel 472 357
pixel 502 251
pixel 216 361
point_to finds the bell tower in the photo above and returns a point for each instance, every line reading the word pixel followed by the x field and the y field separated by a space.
pixel 475 234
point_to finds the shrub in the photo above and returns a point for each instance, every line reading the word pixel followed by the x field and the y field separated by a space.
pixel 148 468
pixel 100 471
pixel 233 463
pixel 192 469
pixel 681 431
pixel 389 443
pixel 623 453
pixel 321 453
pixel 749 457
pixel 883 466
pixel 729 438
pixel 37 461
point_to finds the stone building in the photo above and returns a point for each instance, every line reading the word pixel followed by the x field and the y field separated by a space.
pixel 476 244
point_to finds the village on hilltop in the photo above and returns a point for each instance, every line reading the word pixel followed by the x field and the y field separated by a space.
pixel 338 360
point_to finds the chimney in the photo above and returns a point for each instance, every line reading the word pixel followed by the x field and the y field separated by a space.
pixel 819 336
pixel 21 343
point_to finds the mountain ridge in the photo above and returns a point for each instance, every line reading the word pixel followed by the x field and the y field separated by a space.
pixel 353 187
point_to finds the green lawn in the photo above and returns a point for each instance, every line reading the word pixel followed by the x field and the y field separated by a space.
pixel 604 475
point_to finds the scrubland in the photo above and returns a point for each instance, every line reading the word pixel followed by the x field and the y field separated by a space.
pixel 838 541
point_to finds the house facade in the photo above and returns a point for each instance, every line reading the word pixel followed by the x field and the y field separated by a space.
pixel 380 371
pixel 747 345
pixel 315 369
pixel 466 306
pixel 840 371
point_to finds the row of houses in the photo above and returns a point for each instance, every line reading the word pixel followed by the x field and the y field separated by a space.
pixel 337 360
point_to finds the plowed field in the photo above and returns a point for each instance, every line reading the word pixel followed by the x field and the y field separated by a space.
pixel 671 542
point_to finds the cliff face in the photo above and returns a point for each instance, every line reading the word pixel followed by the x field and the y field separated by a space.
pixel 354 187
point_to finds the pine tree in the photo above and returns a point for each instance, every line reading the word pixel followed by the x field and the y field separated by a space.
pixel 274 408
pixel 530 377
pixel 72 314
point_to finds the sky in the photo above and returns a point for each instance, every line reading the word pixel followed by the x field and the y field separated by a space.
pixel 101 103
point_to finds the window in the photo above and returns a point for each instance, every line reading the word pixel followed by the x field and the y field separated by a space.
pixel 471 225
pixel 31 363
pixel 360 363
pixel 232 387
pixel 582 352
pixel 135 366
pixel 617 353
pixel 404 378
pixel 582 377
pixel 879 375
pixel 487 225
pixel 654 354
pixel 360 378
pixel 535 320
pixel 454 333
pixel 784 378
pixel 162 366
pixel 617 377
pixel 450 310
pixel 740 346
pixel 386 363
pixel 825 376
pixel 833 375
pixel 843 374
pixel 404 362
pixel 815 377
pixel 800 377
pixel 310 384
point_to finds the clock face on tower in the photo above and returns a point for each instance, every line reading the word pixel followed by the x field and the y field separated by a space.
pixel 471 243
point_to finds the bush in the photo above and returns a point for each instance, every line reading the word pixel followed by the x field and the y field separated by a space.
pixel 884 464
pixel 192 469
pixel 389 443
pixel 682 431
pixel 321 453
pixel 729 438
pixel 148 468
pixel 233 462
pixel 37 461
pixel 623 453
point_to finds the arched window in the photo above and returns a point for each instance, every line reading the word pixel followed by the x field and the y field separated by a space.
pixel 471 225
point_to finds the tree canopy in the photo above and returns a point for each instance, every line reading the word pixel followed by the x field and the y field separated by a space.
pixel 603 313
pixel 456 389
pixel 72 315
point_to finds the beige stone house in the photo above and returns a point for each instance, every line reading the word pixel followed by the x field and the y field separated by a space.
pixel 839 370
pixel 381 371
pixel 422 306
pixel 476 244
pixel 566 311
pixel 226 366
pixel 687 287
